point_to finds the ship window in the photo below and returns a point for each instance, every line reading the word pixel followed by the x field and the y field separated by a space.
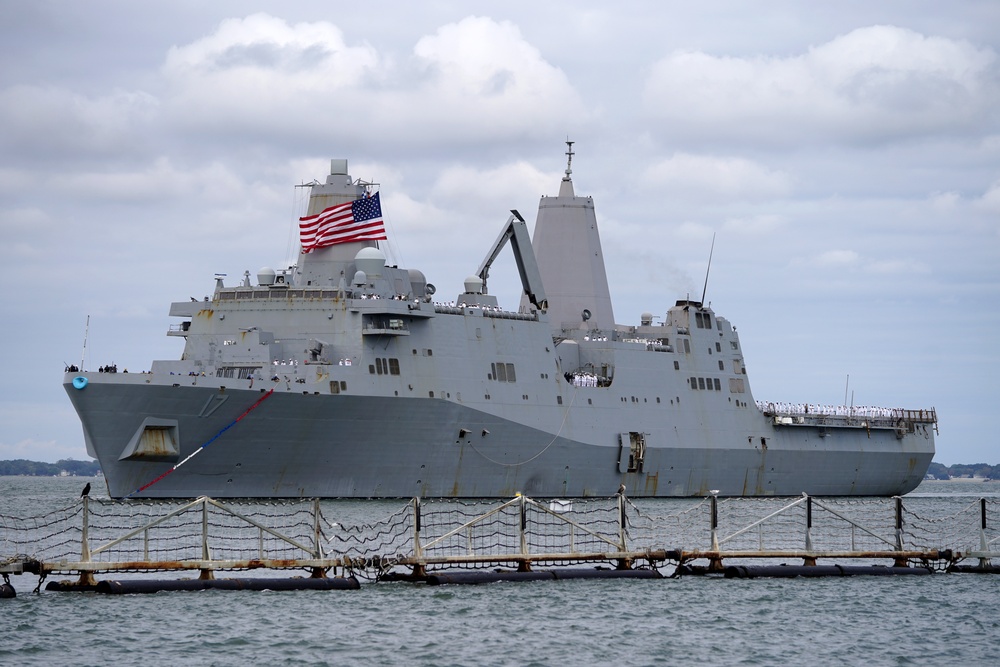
pixel 371 368
pixel 733 344
pixel 708 320
pixel 378 366
pixel 677 365
pixel 718 385
pixel 334 387
pixel 701 383
pixel 394 366
pixel 430 394
pixel 343 385
pixel 699 321
pixel 722 365
pixel 502 372
pixel 687 346
pixel 694 383
pixel 718 347
pixel 559 400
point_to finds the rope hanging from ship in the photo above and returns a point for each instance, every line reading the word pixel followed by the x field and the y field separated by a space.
pixel 209 442
pixel 542 450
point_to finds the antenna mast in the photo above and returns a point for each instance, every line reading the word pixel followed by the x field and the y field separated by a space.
pixel 86 332
pixel 569 160
pixel 705 288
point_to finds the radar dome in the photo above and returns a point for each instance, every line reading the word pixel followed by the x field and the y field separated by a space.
pixel 360 278
pixel 473 285
pixel 646 319
pixel 265 276
pixel 370 260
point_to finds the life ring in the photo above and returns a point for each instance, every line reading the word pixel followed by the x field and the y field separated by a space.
pixel 79 382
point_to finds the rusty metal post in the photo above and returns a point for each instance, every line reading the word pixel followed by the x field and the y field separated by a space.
pixel 317 572
pixel 899 562
pixel 622 544
pixel 317 535
pixel 809 560
pixel 715 563
pixel 86 578
pixel 85 543
pixel 984 546
pixel 623 563
pixel 419 569
pixel 524 565
pixel 205 553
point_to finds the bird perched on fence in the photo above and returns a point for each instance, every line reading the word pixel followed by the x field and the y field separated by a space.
pixel 86 490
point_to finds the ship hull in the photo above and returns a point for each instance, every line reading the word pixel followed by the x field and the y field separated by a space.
pixel 260 443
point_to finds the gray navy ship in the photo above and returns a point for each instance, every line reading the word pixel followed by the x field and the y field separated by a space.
pixel 343 376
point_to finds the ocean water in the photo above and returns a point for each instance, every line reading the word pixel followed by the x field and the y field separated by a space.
pixel 931 620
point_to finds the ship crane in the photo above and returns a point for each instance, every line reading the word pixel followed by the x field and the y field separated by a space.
pixel 516 232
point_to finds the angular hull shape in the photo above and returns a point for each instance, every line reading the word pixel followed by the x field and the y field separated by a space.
pixel 342 377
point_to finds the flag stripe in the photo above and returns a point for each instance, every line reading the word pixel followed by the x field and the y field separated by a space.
pixel 359 220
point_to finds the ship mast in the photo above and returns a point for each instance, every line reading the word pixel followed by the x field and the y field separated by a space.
pixel 569 159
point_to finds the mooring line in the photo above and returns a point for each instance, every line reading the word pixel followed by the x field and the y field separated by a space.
pixel 210 441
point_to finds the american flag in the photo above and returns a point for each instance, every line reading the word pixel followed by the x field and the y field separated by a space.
pixel 359 220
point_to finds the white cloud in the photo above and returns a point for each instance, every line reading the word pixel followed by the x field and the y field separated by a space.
pixel 480 191
pixel 42 121
pixel 758 225
pixel 990 201
pixel 474 78
pixel 836 258
pixel 874 83
pixel 896 266
pixel 708 177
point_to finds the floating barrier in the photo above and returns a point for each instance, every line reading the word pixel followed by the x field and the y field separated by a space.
pixel 975 569
pixel 7 591
pixel 470 542
pixel 791 571
pixel 131 586
pixel 487 577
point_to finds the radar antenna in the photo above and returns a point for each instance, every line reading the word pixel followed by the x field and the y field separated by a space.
pixel 704 290
pixel 569 157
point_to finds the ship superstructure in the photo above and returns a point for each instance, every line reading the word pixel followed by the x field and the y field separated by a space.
pixel 344 376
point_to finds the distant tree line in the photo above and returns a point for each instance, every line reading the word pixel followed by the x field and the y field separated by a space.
pixel 940 471
pixel 39 469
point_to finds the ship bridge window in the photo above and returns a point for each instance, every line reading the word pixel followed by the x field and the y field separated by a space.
pixel 703 320
pixel 502 372
pixel 383 366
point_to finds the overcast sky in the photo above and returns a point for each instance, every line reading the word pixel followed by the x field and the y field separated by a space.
pixel 846 155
